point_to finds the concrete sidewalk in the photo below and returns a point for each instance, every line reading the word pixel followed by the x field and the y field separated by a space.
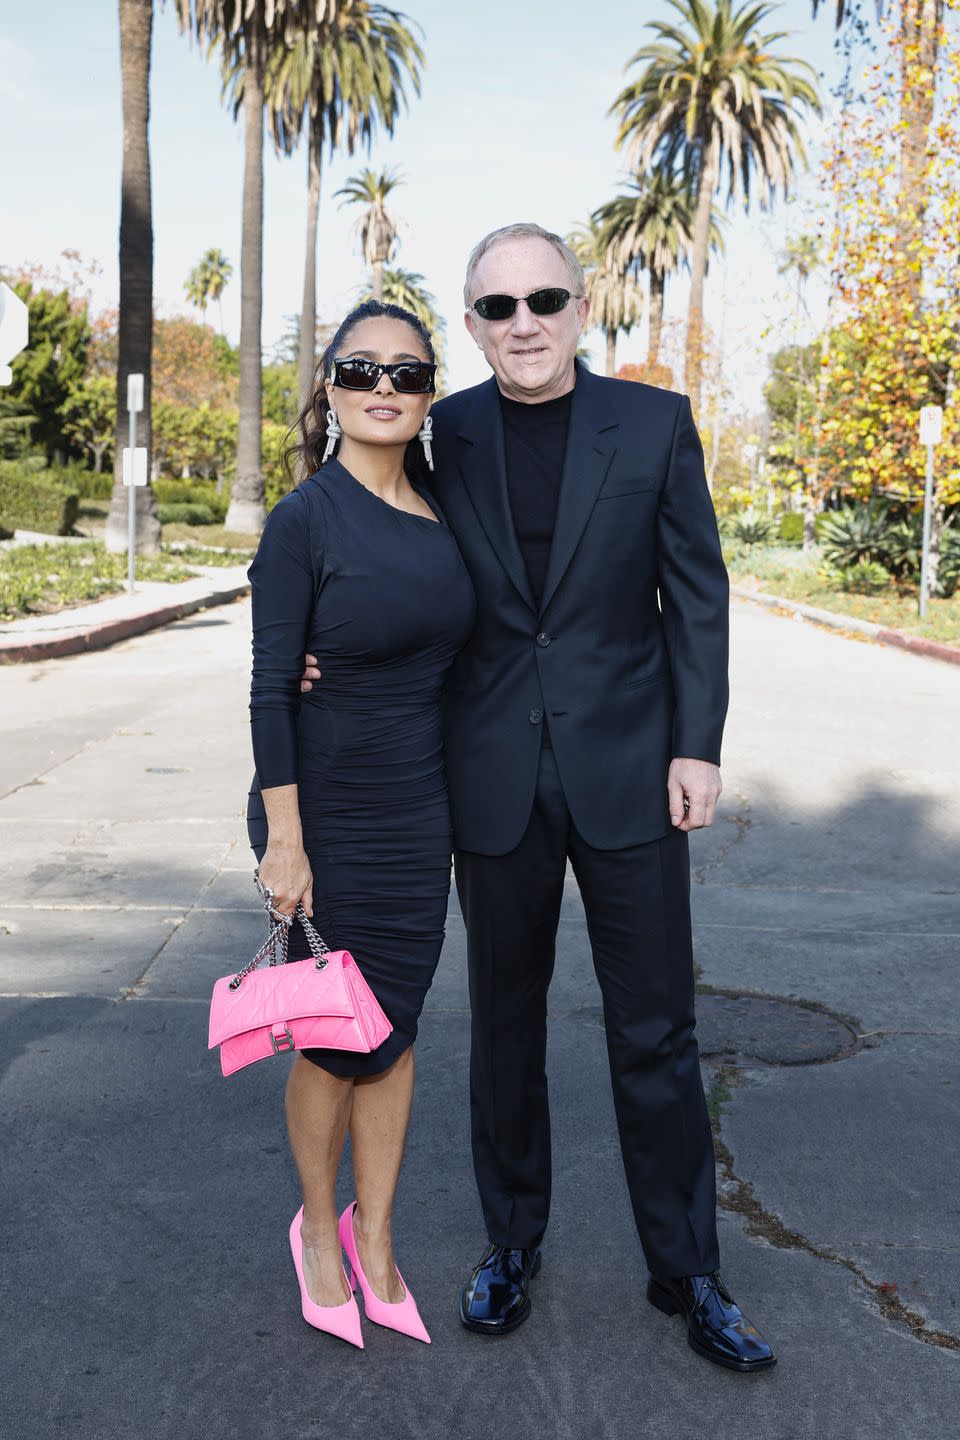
pixel 147 1199
pixel 118 617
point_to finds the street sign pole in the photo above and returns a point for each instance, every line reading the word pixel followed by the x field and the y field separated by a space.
pixel 134 405
pixel 931 430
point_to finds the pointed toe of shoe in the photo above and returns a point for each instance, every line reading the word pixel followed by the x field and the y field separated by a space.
pixel 403 1317
pixel 342 1321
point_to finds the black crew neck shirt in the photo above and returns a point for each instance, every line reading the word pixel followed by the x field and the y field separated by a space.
pixel 535 441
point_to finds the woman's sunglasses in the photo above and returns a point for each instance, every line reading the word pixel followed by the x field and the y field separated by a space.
pixel 542 302
pixel 409 377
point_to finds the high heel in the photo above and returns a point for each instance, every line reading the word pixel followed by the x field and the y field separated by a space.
pixel 341 1320
pixel 402 1316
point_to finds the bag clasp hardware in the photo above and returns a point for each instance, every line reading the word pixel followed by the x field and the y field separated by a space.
pixel 283 1041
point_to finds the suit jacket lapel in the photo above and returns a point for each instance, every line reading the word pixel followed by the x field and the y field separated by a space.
pixel 484 469
pixel 590 448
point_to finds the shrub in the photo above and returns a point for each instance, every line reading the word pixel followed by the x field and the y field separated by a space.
pixel 858 532
pixel 752 528
pixel 35 499
pixel 867 577
pixel 190 492
pixel 186 514
pixel 791 528
pixel 88 484
pixel 948 571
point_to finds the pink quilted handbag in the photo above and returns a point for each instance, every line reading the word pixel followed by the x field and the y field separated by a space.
pixel 292 1005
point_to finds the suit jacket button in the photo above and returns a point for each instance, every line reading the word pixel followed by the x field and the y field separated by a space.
pixel 536 717
pixel 543 641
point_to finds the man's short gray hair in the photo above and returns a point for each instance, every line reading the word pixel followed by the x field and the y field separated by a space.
pixel 524 230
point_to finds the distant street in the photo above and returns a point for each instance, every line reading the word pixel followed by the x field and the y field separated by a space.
pixel 151 1294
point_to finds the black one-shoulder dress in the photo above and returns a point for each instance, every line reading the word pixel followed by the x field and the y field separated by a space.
pixel 383 599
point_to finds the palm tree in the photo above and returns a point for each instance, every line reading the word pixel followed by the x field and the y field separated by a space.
pixel 651 228
pixel 408 289
pixel 340 80
pixel 207 281
pixel 709 93
pixel 376 228
pixel 801 256
pixel 245 31
pixel 616 302
pixel 135 331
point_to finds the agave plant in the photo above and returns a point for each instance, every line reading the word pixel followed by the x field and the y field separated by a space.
pixel 948 571
pixel 753 528
pixel 867 577
pixel 858 532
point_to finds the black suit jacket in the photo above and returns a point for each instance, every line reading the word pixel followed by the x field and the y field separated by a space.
pixel 626 683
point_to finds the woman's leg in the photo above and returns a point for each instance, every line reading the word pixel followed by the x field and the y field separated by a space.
pixel 378 1129
pixel 318 1108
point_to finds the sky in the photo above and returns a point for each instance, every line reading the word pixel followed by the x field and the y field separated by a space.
pixel 512 124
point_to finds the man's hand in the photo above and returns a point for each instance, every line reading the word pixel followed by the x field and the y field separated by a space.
pixel 310 673
pixel 693 789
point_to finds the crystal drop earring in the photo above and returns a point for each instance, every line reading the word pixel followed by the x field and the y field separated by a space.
pixel 333 435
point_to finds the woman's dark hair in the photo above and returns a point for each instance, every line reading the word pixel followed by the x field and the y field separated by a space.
pixel 306 439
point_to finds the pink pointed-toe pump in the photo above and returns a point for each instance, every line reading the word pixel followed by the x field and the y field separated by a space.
pixel 403 1316
pixel 340 1320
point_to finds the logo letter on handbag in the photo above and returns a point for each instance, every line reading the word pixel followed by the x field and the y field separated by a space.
pixel 322 1003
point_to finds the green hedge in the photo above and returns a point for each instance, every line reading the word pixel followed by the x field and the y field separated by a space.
pixel 195 493
pixel 183 514
pixel 35 499
pixel 89 484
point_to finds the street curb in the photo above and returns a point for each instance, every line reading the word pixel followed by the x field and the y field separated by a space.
pixel 99 637
pixel 902 639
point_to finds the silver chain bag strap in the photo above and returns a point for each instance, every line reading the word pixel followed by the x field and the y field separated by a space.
pixel 274 949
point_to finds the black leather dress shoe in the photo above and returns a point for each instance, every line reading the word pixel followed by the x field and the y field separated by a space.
pixel 494 1299
pixel 717 1328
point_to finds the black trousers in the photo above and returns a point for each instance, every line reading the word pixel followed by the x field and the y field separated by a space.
pixel 637 904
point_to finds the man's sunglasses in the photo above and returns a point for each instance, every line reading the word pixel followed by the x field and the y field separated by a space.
pixel 542 302
pixel 409 377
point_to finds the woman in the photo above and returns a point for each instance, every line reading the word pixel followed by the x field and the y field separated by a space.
pixel 358 566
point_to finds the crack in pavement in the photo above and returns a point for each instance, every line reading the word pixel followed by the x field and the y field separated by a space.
pixel 737 1195
pixel 742 821
pixel 135 991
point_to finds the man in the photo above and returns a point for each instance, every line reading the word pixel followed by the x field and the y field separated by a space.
pixel 583 722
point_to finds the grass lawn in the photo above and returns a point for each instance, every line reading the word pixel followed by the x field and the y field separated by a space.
pixel 39 579
pixel 212 535
pixel 786 571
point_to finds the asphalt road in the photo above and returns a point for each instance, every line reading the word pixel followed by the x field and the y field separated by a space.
pixel 149 1292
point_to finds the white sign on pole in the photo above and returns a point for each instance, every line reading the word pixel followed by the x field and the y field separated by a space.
pixel 139 469
pixel 135 392
pixel 14 330
pixel 931 425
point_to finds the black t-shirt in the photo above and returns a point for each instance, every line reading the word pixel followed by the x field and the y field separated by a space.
pixel 535 438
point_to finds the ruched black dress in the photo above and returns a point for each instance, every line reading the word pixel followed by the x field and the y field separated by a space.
pixel 383 598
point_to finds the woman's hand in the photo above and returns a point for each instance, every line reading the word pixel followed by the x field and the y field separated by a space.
pixel 286 871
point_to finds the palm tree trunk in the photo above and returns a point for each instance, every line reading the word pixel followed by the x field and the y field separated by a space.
pixel 308 313
pixel 920 22
pixel 693 365
pixel 135 337
pixel 611 333
pixel 657 283
pixel 247 512
pixel 378 267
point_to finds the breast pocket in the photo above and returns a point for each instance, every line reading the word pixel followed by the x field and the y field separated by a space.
pixel 619 486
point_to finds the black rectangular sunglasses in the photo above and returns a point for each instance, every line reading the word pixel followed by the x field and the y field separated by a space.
pixel 409 377
pixel 549 301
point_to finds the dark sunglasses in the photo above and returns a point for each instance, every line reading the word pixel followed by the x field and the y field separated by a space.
pixel 542 302
pixel 409 377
